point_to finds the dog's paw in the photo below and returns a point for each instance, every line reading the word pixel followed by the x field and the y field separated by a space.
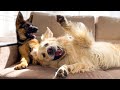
pixel 60 19
pixel 35 62
pixel 21 66
pixel 61 73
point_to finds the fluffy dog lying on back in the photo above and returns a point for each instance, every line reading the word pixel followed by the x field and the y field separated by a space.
pixel 76 51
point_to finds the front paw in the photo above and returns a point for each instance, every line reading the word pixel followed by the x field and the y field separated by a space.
pixel 34 62
pixel 61 73
pixel 21 66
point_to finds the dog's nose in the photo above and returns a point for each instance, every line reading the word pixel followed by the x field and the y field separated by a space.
pixel 51 50
pixel 34 28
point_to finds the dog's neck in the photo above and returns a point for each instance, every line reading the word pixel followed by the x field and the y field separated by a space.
pixel 21 42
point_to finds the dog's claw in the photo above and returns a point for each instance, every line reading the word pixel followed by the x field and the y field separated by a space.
pixel 62 20
pixel 20 66
pixel 61 74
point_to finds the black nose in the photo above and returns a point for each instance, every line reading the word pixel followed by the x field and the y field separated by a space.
pixel 33 29
pixel 51 50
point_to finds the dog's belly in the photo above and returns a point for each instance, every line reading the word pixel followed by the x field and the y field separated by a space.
pixel 106 55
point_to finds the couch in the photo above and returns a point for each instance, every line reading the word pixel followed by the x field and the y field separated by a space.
pixel 104 28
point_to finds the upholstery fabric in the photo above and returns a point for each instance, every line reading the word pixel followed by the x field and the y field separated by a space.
pixel 104 29
pixel 107 28
pixel 8 56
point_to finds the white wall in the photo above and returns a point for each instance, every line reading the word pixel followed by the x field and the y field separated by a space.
pixel 93 13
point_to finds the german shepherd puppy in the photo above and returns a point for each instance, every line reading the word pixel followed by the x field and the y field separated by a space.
pixel 26 41
pixel 77 51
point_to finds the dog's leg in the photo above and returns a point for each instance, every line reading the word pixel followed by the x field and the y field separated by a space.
pixel 64 22
pixel 23 63
pixel 34 53
pixel 34 45
pixel 64 70
pixel 24 51
pixel 79 31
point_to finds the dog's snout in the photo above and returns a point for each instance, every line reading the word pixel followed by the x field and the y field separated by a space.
pixel 34 27
pixel 51 50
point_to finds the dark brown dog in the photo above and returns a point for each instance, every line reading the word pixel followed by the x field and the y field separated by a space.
pixel 26 40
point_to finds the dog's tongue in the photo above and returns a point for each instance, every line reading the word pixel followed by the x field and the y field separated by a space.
pixel 58 53
pixel 32 34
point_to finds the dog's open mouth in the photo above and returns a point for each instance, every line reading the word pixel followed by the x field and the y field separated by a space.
pixel 55 52
pixel 31 35
pixel 31 32
pixel 59 53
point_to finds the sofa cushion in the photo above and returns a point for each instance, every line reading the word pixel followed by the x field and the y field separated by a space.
pixel 39 72
pixel 8 56
pixel 114 72
pixel 31 72
pixel 107 29
pixel 43 20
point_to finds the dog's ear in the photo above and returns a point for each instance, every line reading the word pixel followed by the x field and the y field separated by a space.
pixel 30 19
pixel 19 18
pixel 47 34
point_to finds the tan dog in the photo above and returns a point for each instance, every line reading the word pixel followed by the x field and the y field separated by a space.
pixel 76 51
pixel 26 41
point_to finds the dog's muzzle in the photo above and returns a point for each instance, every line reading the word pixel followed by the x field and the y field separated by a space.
pixel 51 51
pixel 57 53
pixel 30 31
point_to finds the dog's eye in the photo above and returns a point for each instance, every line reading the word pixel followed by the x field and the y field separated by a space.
pixel 46 44
pixel 43 54
pixel 27 25
pixel 22 26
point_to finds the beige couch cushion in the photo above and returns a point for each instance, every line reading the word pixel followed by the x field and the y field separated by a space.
pixel 108 29
pixel 8 56
pixel 31 72
pixel 38 72
pixel 43 20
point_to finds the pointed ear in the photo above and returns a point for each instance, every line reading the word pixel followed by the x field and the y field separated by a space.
pixel 47 34
pixel 19 18
pixel 30 19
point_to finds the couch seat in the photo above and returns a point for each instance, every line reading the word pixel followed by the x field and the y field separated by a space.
pixel 39 72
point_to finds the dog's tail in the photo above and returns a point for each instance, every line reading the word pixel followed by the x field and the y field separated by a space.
pixel 82 35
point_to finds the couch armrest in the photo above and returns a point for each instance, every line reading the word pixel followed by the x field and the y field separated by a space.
pixel 8 56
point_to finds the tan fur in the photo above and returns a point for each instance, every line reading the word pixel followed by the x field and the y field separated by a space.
pixel 82 52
